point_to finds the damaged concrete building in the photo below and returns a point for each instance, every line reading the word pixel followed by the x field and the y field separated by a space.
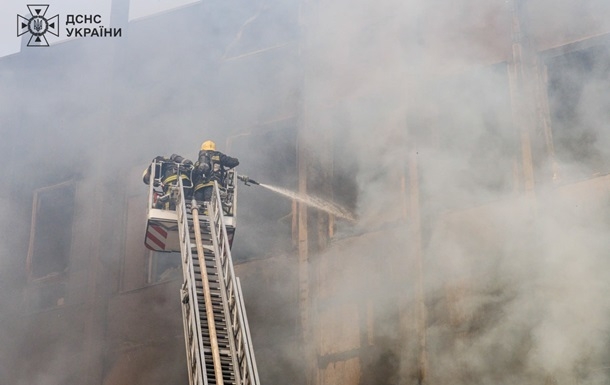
pixel 470 138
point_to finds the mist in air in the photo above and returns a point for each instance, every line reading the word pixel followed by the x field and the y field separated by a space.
pixel 410 98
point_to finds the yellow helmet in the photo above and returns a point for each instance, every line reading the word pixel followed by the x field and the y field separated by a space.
pixel 208 145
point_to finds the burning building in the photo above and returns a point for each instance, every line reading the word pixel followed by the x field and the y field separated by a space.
pixel 470 139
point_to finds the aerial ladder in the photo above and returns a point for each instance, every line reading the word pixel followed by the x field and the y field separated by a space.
pixel 216 332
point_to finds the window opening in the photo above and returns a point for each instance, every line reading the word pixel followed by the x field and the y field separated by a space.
pixel 51 231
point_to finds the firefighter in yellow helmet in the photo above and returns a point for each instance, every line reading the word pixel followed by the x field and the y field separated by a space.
pixel 167 172
pixel 208 145
pixel 211 166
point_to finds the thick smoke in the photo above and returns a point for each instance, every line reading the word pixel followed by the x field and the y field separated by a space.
pixel 514 288
pixel 96 111
pixel 513 285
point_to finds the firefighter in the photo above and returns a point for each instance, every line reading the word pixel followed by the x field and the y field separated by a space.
pixel 211 166
pixel 167 171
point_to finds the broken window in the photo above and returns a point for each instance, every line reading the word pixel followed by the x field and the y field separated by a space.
pixel 51 232
pixel 48 258
pixel 578 83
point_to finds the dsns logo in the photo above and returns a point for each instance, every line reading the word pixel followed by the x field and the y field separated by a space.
pixel 37 25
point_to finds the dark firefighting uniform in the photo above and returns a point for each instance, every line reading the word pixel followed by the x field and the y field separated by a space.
pixel 167 170
pixel 211 166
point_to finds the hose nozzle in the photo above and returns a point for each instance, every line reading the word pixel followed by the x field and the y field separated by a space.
pixel 247 181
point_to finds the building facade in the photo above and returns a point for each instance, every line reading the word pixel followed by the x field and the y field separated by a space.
pixel 469 139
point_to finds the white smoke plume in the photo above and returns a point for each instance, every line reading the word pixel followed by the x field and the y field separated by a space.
pixel 514 288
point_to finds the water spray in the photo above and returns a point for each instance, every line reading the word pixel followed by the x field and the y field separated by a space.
pixel 317 202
